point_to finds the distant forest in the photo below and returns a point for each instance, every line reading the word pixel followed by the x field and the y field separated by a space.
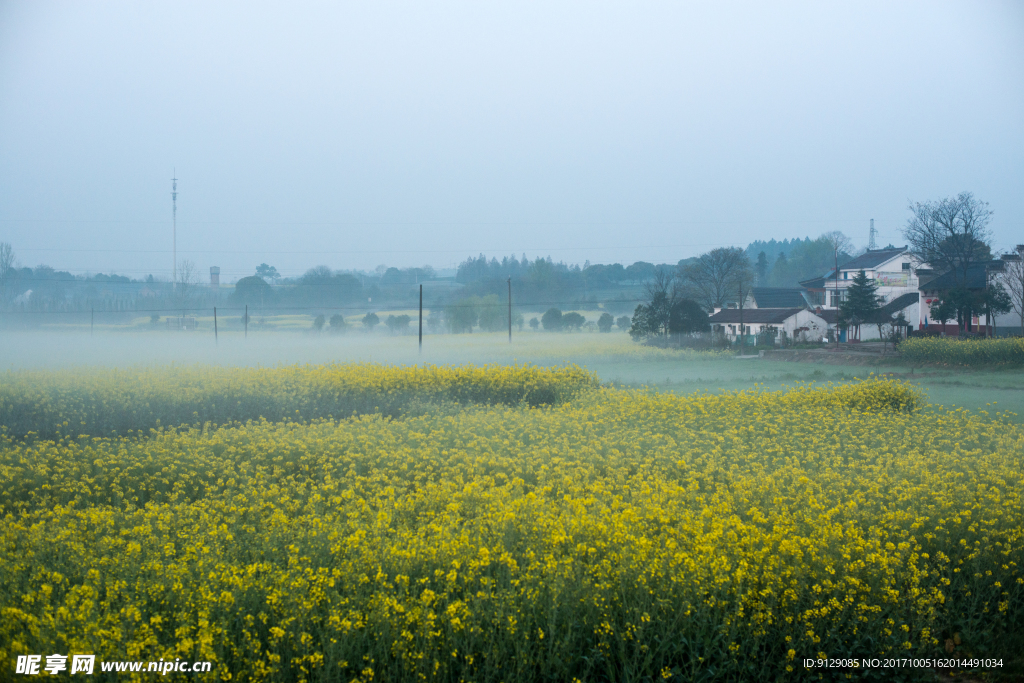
pixel 538 283
pixel 786 263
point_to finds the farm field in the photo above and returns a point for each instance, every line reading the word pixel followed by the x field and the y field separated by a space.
pixel 613 357
pixel 512 523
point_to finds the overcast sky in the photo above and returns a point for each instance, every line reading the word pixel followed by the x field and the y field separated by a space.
pixel 358 134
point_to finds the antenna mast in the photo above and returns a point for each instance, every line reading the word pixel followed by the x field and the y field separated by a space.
pixel 871 236
pixel 174 229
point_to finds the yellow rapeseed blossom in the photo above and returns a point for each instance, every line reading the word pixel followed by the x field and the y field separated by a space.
pixel 719 537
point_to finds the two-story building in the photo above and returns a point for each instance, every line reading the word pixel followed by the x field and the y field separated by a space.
pixel 894 270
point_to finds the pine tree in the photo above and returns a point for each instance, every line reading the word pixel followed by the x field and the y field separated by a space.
pixel 762 268
pixel 861 302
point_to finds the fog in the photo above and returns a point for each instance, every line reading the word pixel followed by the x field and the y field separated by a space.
pixel 401 133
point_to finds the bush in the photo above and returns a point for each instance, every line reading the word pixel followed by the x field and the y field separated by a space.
pixel 963 352
pixel 605 322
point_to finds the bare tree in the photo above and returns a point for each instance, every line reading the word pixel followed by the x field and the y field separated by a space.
pixel 839 242
pixel 951 234
pixel 718 276
pixel 187 288
pixel 1013 278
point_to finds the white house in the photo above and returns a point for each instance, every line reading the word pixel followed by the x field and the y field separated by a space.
pixel 799 324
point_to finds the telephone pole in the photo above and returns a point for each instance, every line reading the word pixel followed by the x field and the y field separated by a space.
pixel 174 229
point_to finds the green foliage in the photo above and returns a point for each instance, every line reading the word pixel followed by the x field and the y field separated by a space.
pixel 318 322
pixel 686 317
pixel 493 315
pixel 552 320
pixel 370 320
pixel 338 323
pixel 861 301
pixel 534 323
pixel 397 324
pixel 572 321
pixel 605 322
pixel 252 290
pixel 623 322
pixel 461 316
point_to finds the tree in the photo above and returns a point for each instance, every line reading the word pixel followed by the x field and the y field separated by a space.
pixel 552 320
pixel 943 310
pixel 643 324
pixel 320 286
pixel 837 242
pixel 318 323
pixel 491 316
pixel 534 323
pixel 461 315
pixel 995 300
pixel 964 303
pixel 397 323
pixel 1013 277
pixel 622 322
pixel 605 322
pixel 761 268
pixel 370 320
pixel 338 324
pixel 186 289
pixel 7 271
pixel 950 234
pixel 518 320
pixel 267 272
pixel 861 302
pixel 687 317
pixel 716 277
pixel 252 290
pixel 572 321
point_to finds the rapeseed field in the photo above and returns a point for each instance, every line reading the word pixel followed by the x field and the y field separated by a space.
pixel 598 534
pixel 951 351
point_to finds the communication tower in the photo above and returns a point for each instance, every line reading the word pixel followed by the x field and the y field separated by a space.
pixel 871 236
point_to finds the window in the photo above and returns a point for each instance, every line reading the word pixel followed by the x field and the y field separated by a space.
pixel 906 266
pixel 846 276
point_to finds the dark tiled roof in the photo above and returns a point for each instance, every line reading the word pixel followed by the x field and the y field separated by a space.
pixel 976 278
pixel 814 283
pixel 885 313
pixel 872 258
pixel 889 310
pixel 829 315
pixel 767 316
pixel 778 297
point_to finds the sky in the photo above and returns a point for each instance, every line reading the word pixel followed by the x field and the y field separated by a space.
pixel 410 133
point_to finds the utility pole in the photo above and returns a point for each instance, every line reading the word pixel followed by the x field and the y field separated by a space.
pixel 837 299
pixel 216 340
pixel 509 309
pixel 421 319
pixel 174 231
pixel 743 337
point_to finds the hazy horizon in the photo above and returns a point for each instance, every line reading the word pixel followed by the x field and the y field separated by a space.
pixel 405 135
